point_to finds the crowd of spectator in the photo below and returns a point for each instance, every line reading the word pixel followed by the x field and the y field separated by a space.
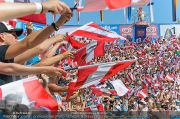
pixel 156 70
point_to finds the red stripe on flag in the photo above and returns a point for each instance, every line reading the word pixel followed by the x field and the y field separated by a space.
pixel 84 74
pixel 80 57
pixel 117 68
pixel 99 51
pixel 75 44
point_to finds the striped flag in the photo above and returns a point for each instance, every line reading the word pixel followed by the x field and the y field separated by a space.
pixel 102 91
pixel 95 32
pixel 93 74
pixel 119 89
pixel 29 91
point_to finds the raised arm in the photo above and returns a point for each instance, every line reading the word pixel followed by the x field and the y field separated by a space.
pixel 51 52
pixel 16 10
pixel 16 69
pixel 52 60
pixel 20 59
pixel 34 39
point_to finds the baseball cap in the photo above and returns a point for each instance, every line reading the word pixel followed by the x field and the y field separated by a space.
pixel 5 27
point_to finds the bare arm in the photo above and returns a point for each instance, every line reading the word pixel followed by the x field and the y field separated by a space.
pixel 52 60
pixel 37 50
pixel 51 52
pixel 36 38
pixel 32 40
pixel 16 69
pixel 16 10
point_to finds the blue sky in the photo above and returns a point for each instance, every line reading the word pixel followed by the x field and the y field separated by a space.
pixel 162 14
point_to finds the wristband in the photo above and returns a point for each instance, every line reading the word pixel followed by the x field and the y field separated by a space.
pixel 54 26
pixel 39 8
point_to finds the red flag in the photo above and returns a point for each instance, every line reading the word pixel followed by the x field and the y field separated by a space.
pixel 86 54
pixel 95 32
pixel 92 74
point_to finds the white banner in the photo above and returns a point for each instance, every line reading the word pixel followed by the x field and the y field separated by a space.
pixel 168 29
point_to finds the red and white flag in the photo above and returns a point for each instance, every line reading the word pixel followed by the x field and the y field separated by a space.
pixel 119 89
pixel 169 77
pixel 30 91
pixel 86 54
pixel 97 111
pixel 102 91
pixel 95 32
pixel 142 94
pixel 93 74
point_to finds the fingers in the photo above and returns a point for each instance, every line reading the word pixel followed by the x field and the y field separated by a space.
pixel 61 70
pixel 66 8
pixel 68 54
pixel 56 7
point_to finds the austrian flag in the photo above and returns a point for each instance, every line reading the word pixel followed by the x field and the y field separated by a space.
pixel 95 32
pixel 29 91
pixel 93 74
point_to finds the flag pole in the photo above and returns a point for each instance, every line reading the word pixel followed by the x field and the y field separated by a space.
pixel 151 11
pixel 102 16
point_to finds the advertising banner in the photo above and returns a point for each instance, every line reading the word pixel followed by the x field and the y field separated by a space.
pixel 126 30
pixel 168 30
pixel 152 31
pixel 113 28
